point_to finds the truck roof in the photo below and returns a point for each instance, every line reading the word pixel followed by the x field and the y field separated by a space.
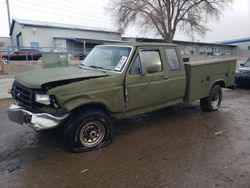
pixel 138 44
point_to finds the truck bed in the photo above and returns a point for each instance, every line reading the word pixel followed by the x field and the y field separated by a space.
pixel 201 76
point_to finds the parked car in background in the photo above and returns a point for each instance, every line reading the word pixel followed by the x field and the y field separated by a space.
pixel 243 74
pixel 22 55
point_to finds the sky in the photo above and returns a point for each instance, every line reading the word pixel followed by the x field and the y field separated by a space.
pixel 233 24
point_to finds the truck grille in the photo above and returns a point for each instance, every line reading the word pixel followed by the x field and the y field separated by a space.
pixel 22 94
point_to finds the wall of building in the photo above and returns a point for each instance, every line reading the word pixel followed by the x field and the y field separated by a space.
pixel 243 45
pixel 195 49
pixel 60 43
pixel 18 29
pixel 244 49
pixel 6 40
pixel 45 36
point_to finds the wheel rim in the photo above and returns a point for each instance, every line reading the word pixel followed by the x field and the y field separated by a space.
pixel 215 99
pixel 92 134
pixel 5 61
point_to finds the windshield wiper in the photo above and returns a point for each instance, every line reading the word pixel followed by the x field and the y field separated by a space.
pixel 98 67
pixel 95 67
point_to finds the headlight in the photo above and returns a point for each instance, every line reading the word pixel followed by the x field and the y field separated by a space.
pixel 237 71
pixel 42 99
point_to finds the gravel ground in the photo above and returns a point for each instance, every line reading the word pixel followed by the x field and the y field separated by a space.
pixel 178 146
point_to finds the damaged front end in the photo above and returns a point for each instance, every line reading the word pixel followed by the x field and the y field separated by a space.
pixel 38 121
pixel 31 106
pixel 40 96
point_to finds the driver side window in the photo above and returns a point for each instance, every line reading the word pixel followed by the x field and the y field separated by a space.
pixel 145 59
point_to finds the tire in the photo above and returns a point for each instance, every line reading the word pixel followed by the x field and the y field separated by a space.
pixel 213 101
pixel 5 61
pixel 88 130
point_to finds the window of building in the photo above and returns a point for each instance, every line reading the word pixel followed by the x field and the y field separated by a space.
pixel 173 59
pixel 34 45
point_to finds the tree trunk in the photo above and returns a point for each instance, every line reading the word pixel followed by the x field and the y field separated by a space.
pixel 169 38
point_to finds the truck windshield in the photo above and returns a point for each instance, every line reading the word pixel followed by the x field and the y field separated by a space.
pixel 111 58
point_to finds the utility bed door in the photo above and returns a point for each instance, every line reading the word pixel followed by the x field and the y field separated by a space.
pixel 146 89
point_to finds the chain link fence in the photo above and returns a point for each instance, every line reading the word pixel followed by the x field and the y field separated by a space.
pixel 14 61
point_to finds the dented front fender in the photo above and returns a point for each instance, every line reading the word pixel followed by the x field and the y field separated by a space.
pixel 107 91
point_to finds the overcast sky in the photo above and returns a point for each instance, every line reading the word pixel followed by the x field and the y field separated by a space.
pixel 234 24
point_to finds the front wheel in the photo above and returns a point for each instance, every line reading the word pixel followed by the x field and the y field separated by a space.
pixel 88 130
pixel 213 101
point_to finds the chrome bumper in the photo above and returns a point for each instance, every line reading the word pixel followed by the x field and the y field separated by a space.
pixel 40 121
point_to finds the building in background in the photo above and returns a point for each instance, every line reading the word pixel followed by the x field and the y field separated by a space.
pixel 48 36
pixel 243 46
pixel 195 48
pixel 75 39
pixel 5 42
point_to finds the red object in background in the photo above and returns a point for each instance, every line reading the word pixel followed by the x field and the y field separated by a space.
pixel 22 55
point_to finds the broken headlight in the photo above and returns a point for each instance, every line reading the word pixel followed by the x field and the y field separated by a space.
pixel 42 99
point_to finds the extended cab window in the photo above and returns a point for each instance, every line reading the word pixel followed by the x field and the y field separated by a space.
pixel 173 59
pixel 146 59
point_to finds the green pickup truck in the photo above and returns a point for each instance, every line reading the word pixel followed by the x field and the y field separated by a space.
pixel 115 81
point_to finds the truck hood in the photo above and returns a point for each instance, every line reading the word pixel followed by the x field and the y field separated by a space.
pixel 244 69
pixel 35 79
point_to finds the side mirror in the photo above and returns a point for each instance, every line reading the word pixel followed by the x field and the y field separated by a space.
pixel 153 68
pixel 186 59
pixel 242 64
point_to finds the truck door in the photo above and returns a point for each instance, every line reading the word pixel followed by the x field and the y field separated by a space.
pixel 175 70
pixel 146 82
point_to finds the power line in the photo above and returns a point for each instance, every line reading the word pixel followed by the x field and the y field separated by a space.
pixel 92 4
pixel 90 17
pixel 62 14
pixel 62 8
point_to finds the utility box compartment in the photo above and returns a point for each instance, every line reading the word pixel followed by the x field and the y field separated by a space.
pixel 201 76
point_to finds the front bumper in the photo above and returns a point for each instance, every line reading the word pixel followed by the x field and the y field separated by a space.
pixel 39 121
pixel 242 80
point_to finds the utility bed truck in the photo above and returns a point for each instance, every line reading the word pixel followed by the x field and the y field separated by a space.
pixel 115 81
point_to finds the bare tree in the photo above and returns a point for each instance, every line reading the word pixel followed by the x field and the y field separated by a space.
pixel 164 16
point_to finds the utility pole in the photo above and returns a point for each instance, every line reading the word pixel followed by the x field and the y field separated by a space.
pixel 9 20
pixel 8 10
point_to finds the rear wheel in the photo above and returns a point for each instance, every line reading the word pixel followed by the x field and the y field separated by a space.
pixel 88 130
pixel 213 101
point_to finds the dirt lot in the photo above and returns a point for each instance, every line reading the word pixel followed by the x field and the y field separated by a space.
pixel 175 147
